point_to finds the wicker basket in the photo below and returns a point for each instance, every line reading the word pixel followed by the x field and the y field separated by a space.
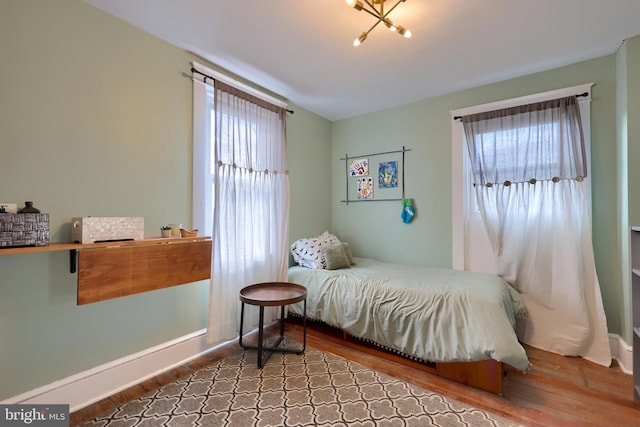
pixel 24 229
pixel 188 233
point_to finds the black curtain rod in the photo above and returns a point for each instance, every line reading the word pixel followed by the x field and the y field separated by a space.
pixel 577 96
pixel 206 76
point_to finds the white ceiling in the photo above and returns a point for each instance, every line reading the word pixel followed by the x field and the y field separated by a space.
pixel 302 49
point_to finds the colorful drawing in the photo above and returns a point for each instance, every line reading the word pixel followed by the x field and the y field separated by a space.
pixel 388 174
pixel 359 167
pixel 365 188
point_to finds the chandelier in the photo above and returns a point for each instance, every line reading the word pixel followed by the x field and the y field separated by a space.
pixel 376 9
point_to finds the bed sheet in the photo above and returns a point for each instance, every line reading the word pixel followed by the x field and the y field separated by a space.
pixel 433 314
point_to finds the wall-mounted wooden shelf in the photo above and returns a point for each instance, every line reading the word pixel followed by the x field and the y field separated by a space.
pixel 78 246
pixel 31 249
pixel 114 269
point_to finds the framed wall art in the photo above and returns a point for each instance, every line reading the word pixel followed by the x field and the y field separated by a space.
pixel 375 177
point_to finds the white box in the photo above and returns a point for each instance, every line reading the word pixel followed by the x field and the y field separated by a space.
pixel 92 229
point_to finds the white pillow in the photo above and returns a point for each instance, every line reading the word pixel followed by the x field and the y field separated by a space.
pixel 308 252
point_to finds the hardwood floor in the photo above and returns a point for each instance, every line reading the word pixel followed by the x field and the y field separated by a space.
pixel 557 391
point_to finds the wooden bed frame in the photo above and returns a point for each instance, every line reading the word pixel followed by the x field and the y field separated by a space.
pixel 486 374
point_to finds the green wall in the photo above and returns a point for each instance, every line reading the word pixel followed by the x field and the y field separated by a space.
pixel 629 126
pixel 96 120
pixel 632 125
pixel 309 157
pixel 375 229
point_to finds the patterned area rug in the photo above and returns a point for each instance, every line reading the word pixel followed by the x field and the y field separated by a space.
pixel 312 389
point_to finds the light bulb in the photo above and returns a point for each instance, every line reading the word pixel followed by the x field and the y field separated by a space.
pixel 357 42
pixel 390 25
pixel 404 32
pixel 356 4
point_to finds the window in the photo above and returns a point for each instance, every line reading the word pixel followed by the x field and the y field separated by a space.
pixel 467 224
pixel 241 194
pixel 529 180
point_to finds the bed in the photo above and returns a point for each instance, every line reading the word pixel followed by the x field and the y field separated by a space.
pixel 431 314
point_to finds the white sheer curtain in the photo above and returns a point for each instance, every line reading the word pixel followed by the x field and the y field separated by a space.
pixel 530 178
pixel 241 186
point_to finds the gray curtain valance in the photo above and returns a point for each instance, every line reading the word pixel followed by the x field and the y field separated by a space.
pixel 535 142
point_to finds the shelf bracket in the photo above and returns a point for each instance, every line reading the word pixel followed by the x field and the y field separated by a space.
pixel 73 256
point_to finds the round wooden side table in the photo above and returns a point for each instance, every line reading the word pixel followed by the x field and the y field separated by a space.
pixel 270 294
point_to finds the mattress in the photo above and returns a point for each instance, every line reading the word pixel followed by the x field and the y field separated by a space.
pixel 432 314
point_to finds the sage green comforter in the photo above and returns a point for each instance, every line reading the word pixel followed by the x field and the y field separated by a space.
pixel 434 314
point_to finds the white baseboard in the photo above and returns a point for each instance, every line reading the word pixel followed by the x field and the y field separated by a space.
pixel 622 352
pixel 85 388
